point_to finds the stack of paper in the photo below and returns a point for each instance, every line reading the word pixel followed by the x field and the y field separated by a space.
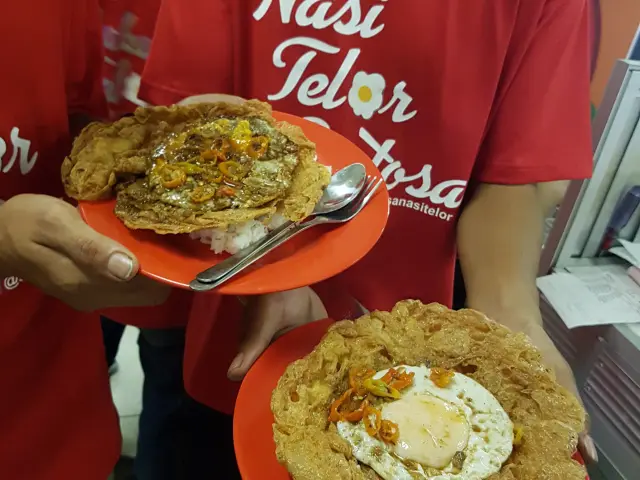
pixel 595 295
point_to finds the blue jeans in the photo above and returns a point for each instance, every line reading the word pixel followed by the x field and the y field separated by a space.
pixel 178 437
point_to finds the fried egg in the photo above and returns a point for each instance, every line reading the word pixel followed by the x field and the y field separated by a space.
pixel 459 432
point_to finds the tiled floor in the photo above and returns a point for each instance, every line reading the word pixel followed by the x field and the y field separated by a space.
pixel 126 386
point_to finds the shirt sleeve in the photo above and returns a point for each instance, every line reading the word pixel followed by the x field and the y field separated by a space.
pixel 85 59
pixel 539 128
pixel 190 53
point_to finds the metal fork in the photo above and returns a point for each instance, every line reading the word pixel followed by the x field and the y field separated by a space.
pixel 210 279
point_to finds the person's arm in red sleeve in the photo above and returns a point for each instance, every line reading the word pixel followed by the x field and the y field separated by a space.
pixel 539 132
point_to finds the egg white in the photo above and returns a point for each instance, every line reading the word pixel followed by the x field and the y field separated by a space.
pixel 490 440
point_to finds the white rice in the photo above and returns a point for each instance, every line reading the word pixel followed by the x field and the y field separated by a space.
pixel 236 237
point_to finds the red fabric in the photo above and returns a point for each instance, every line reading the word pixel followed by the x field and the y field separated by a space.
pixel 127 31
pixel 211 345
pixel 441 94
pixel 578 458
pixel 171 314
pixel 58 420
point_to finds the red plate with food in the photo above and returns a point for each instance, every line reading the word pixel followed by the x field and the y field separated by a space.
pixel 421 392
pixel 183 187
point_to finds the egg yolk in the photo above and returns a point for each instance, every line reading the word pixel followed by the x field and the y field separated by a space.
pixel 365 94
pixel 431 430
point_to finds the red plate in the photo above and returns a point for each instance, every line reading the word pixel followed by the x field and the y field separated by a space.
pixel 315 255
pixel 252 420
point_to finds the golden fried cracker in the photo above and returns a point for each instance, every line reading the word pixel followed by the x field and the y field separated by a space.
pixel 505 363
pixel 106 155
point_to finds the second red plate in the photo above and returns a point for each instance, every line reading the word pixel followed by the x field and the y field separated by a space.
pixel 253 420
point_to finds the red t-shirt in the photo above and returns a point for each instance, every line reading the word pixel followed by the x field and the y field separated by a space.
pixel 56 414
pixel 441 94
pixel 127 31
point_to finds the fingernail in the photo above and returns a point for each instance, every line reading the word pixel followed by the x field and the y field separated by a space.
pixel 120 266
pixel 237 363
pixel 591 448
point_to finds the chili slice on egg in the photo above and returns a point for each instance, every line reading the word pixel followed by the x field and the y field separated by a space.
pixel 380 389
pixel 226 191
pixel 357 375
pixel 212 156
pixel 189 168
pixel 230 169
pixel 241 136
pixel 171 175
pixel 334 414
pixel 202 194
pixel 441 377
pixel 357 414
pixel 356 403
pixel 216 179
pixel 258 147
pixel 372 420
pixel 389 432
pixel 398 379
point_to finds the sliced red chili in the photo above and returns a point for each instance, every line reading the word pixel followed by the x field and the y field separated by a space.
pixel 389 432
pixel 372 419
pixel 357 375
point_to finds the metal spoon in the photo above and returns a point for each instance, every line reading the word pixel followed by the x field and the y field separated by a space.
pixel 345 185
pixel 343 215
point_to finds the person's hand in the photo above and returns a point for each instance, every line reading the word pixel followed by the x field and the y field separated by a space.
pixel 554 359
pixel 524 316
pixel 44 241
pixel 269 316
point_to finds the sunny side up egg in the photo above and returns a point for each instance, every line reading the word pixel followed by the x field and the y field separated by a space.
pixel 458 432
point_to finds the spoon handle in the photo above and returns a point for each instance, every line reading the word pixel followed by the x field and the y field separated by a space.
pixel 228 264
pixel 280 236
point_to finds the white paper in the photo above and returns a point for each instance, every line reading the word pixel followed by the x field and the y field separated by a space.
pixel 595 295
pixel 624 254
pixel 628 251
pixel 561 290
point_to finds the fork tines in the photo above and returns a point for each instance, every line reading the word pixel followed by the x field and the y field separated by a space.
pixel 370 188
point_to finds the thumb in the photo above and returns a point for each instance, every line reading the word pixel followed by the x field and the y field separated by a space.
pixel 87 248
pixel 261 327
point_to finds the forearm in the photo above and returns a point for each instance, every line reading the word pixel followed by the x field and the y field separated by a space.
pixel 499 243
pixel 550 194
